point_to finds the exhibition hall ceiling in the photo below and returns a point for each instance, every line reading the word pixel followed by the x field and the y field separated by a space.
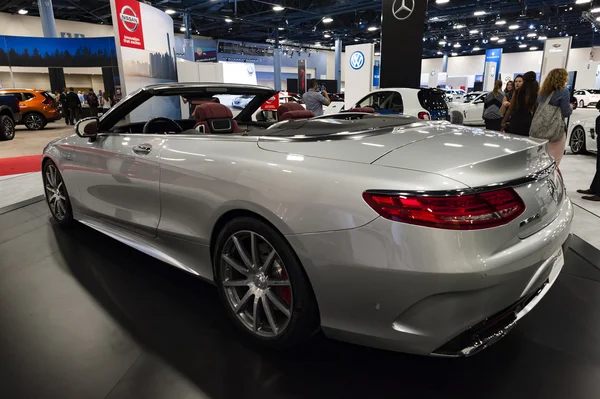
pixel 456 27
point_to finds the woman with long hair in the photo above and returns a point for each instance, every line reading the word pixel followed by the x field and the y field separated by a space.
pixel 555 87
pixel 492 105
pixel 511 88
pixel 519 115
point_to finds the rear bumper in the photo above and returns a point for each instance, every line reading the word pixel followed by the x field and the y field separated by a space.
pixel 414 289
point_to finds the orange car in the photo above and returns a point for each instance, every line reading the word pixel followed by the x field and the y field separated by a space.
pixel 37 107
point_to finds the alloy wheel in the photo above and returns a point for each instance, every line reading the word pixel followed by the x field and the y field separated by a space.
pixel 581 104
pixel 8 128
pixel 577 140
pixel 256 284
pixel 34 122
pixel 55 192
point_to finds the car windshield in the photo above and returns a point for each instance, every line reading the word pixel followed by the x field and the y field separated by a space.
pixel 471 96
pixel 594 91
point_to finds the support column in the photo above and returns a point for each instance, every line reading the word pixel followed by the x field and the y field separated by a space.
pixel 445 63
pixel 188 42
pixel 338 64
pixel 277 63
pixel 56 75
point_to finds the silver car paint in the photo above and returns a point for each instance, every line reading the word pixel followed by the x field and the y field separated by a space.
pixel 367 272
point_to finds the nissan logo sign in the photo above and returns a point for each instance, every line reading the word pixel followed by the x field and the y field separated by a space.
pixel 129 19
pixel 357 60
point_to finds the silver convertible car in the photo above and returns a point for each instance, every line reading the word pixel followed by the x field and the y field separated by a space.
pixel 385 231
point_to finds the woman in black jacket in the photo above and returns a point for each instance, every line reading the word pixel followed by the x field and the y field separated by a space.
pixel 519 115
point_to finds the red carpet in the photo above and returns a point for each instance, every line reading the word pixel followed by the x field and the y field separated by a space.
pixel 15 166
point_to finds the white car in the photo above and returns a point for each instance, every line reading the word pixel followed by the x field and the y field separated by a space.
pixel 582 135
pixel 471 111
pixel 426 104
pixel 455 95
pixel 335 107
pixel 587 97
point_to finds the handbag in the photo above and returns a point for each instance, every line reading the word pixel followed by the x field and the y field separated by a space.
pixel 547 123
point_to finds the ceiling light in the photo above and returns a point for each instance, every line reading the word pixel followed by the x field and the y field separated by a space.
pixel 278 8
pixel 442 1
pixel 170 12
pixel 522 45
pixel 501 40
pixel 454 54
pixel 494 38
pixel 327 35
pixel 282 41
pixel 23 12
pixel 281 28
pixel 182 29
pixel 474 31
pixel 542 37
pixel 436 18
pixel 442 43
pixel 478 13
pixel 317 44
pixel 327 20
pixel 228 20
pixel 583 1
pixel 531 34
pixel 356 40
pixel 377 54
pixel 500 22
pixel 476 49
pixel 440 53
pixel 372 28
pixel 533 48
pixel 513 27
pixel 595 10
pixel 457 45
pixel 459 26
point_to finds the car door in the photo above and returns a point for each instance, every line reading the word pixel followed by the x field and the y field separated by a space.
pixel 374 100
pixel 118 179
pixel 474 111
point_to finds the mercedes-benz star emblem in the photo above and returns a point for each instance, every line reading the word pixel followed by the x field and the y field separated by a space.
pixel 402 9
pixel 357 60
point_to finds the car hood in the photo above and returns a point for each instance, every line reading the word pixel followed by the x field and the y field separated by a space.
pixel 475 157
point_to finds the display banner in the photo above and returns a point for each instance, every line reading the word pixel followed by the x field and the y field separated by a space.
pixel 402 27
pixel 556 55
pixel 491 69
pixel 272 104
pixel 432 81
pixel 376 73
pixel 301 77
pixel 146 55
pixel 358 72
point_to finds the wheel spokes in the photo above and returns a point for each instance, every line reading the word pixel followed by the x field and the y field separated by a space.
pixel 278 283
pixel 269 314
pixel 278 304
pixel 264 268
pixel 236 283
pixel 255 314
pixel 243 301
pixel 235 265
pixel 242 253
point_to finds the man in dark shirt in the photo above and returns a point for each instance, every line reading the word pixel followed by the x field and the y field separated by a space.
pixel 593 194
pixel 314 99
pixel 63 104
pixel 74 105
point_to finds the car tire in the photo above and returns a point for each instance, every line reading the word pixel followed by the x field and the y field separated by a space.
pixel 577 140
pixel 34 121
pixel 267 294
pixel 7 128
pixel 581 104
pixel 457 118
pixel 57 196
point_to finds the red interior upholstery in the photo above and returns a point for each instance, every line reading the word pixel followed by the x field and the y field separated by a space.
pixel 296 115
pixel 206 100
pixel 367 110
pixel 288 107
pixel 212 114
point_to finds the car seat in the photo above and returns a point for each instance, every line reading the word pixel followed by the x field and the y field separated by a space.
pixel 296 115
pixel 366 110
pixel 288 107
pixel 216 119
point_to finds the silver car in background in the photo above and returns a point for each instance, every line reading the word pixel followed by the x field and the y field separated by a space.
pixel 386 231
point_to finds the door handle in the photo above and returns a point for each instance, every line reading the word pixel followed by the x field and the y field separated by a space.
pixel 142 149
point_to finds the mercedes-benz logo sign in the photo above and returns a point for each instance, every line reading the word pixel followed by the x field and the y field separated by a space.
pixel 129 18
pixel 402 9
pixel 357 60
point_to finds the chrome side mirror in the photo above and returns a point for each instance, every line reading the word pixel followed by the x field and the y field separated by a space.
pixel 87 127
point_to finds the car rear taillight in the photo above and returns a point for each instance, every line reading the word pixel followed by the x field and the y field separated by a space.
pixel 48 101
pixel 458 212
pixel 424 116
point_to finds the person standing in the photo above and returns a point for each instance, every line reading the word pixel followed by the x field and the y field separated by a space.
pixel 314 100
pixel 64 106
pixel 74 105
pixel 509 93
pixel 593 193
pixel 100 98
pixel 492 104
pixel 554 92
pixel 92 100
pixel 519 115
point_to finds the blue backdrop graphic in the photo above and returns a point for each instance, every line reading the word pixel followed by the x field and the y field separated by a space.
pixel 57 52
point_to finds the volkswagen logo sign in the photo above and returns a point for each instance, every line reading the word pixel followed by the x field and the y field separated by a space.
pixel 357 60
pixel 402 9
pixel 250 69
pixel 129 19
